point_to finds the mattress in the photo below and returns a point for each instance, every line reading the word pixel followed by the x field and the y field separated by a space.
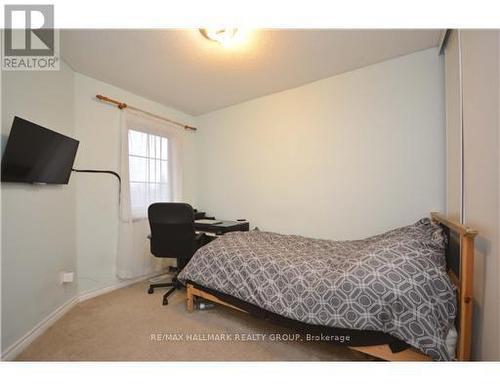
pixel 395 283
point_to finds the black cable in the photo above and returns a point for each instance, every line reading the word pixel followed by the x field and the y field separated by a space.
pixel 105 172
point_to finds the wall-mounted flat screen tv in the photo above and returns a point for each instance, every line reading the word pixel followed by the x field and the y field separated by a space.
pixel 35 154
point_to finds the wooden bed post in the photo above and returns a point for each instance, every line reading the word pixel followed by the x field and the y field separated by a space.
pixel 465 295
pixel 189 297
pixel 463 283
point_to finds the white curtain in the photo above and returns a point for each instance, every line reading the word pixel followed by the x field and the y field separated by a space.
pixel 133 256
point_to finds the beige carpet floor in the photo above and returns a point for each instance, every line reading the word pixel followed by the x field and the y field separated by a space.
pixel 118 326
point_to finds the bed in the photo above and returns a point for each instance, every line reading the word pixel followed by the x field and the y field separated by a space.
pixel 395 296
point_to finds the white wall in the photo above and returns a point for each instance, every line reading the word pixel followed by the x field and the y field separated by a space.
pixel 38 222
pixel 345 157
pixel 481 104
pixel 48 229
pixel 97 128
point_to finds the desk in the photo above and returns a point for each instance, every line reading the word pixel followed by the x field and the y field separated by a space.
pixel 223 227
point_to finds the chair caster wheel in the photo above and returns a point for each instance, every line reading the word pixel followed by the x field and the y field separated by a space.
pixel 165 301
pixel 150 291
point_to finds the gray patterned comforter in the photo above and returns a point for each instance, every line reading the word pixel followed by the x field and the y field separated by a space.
pixel 394 282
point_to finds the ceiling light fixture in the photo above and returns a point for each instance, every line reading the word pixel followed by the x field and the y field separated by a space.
pixel 223 36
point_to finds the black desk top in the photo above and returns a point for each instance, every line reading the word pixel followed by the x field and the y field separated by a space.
pixel 222 227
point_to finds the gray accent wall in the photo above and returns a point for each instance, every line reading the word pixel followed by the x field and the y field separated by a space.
pixel 479 83
pixel 480 59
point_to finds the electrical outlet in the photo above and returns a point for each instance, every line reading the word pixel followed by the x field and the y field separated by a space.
pixel 67 277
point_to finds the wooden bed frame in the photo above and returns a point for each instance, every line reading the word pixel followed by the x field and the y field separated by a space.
pixel 461 277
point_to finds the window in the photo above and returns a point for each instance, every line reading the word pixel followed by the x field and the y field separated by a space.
pixel 149 171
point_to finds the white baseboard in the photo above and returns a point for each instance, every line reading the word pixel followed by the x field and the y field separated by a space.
pixel 122 284
pixel 22 343
pixel 17 347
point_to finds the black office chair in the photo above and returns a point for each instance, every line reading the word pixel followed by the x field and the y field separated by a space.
pixel 172 236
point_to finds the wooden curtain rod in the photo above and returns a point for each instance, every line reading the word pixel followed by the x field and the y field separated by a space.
pixel 123 105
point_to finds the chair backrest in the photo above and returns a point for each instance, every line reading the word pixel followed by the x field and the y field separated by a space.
pixel 172 230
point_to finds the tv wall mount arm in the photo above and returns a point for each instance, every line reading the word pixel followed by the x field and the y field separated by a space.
pixel 103 172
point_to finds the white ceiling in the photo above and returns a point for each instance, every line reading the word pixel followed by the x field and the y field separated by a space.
pixel 183 70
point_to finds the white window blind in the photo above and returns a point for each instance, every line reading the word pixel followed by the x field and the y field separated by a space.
pixel 150 180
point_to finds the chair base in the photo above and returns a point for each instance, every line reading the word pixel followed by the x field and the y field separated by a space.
pixel 174 285
pixel 152 287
